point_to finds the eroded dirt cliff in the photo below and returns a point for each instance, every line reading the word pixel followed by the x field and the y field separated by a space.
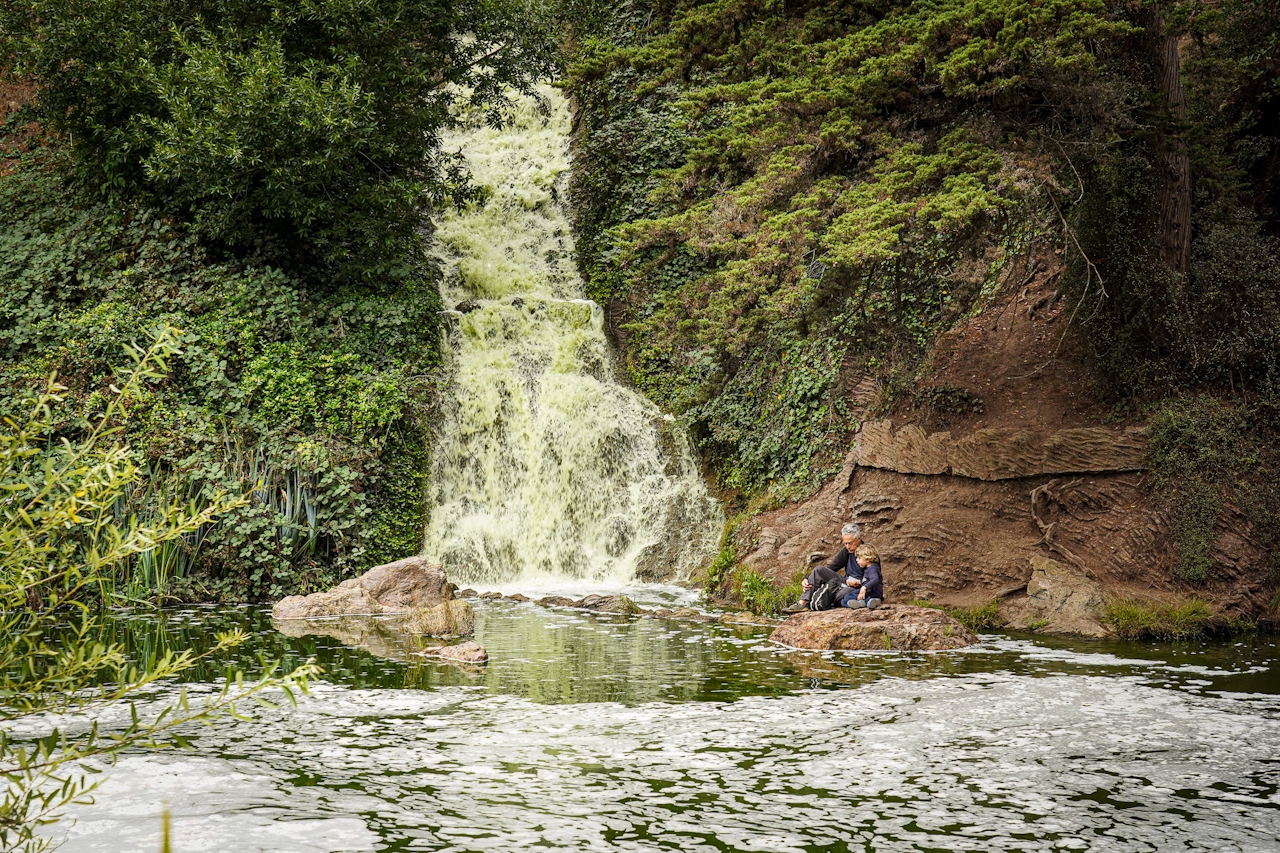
pixel 1026 493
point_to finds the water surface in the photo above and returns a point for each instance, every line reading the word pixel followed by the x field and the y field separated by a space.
pixel 589 732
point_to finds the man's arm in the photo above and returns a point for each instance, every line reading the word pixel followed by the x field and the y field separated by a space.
pixel 840 561
pixel 835 564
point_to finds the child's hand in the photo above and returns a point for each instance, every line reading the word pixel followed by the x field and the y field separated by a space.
pixel 853 581
pixel 862 595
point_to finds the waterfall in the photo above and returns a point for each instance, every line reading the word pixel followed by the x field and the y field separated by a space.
pixel 545 468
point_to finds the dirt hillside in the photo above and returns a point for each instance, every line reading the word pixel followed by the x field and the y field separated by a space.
pixel 1020 491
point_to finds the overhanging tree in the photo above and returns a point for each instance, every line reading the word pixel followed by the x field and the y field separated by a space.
pixel 308 128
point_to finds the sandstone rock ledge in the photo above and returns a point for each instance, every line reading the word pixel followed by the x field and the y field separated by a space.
pixel 408 596
pixel 900 627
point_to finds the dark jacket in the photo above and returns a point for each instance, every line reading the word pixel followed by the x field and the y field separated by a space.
pixel 843 561
pixel 872 581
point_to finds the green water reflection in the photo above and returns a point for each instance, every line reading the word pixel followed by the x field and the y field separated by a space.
pixel 559 656
pixel 589 732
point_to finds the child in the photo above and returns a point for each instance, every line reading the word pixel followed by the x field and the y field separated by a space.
pixel 869 591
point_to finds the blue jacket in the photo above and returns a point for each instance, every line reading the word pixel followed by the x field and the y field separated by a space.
pixel 872 581
pixel 871 576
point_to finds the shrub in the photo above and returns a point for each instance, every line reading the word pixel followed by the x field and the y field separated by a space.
pixel 64 555
pixel 310 128
pixel 1204 453
pixel 312 402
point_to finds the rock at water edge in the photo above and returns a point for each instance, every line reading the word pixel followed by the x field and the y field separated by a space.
pixel 468 652
pixel 450 619
pixel 1062 597
pixel 399 587
pixel 900 627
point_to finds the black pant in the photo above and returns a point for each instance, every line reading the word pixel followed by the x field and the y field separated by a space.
pixel 817 578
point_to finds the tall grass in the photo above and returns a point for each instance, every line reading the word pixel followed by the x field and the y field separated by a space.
pixel 286 487
pixel 1132 619
pixel 760 595
pixel 142 503
pixel 283 487
pixel 981 617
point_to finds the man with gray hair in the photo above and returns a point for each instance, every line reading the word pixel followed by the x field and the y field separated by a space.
pixel 843 564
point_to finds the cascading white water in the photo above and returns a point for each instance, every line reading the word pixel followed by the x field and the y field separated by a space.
pixel 545 467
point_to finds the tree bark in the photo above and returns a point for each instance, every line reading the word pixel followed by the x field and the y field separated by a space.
pixel 1171 149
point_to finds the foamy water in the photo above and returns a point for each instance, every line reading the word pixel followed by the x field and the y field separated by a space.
pixel 545 468
pixel 596 733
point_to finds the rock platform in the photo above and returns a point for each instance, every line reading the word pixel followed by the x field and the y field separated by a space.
pixel 897 627
pixel 400 587
pixel 410 596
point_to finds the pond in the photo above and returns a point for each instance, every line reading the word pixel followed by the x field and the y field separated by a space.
pixel 591 732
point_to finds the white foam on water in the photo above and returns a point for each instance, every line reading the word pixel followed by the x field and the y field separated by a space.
pixel 985 762
pixel 214 805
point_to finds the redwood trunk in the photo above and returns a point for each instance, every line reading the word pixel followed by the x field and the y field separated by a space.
pixel 1175 196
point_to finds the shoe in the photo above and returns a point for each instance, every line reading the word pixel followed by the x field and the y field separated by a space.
pixel 799 607
pixel 873 603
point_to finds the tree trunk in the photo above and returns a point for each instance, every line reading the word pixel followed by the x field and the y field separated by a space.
pixel 1171 149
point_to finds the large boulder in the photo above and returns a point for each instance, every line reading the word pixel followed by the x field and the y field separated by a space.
pixel 1060 599
pixel 447 619
pixel 901 627
pixel 400 587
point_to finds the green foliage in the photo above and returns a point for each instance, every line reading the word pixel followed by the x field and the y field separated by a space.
pixel 1131 619
pixel 307 128
pixel 63 554
pixel 981 617
pixel 1156 331
pixel 772 418
pixel 1153 330
pixel 760 595
pixel 1204 453
pixel 777 195
pixel 310 401
pixel 719 570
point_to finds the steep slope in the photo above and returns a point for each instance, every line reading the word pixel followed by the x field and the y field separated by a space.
pixel 964 503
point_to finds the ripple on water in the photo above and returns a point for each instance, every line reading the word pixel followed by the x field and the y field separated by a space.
pixel 1015 747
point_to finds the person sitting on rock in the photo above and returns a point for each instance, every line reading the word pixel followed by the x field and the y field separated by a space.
pixel 839 566
pixel 867 590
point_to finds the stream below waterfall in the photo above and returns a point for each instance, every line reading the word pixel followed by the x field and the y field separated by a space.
pixel 590 732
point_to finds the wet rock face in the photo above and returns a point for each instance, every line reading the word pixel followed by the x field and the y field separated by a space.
pixel 400 587
pixel 901 627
